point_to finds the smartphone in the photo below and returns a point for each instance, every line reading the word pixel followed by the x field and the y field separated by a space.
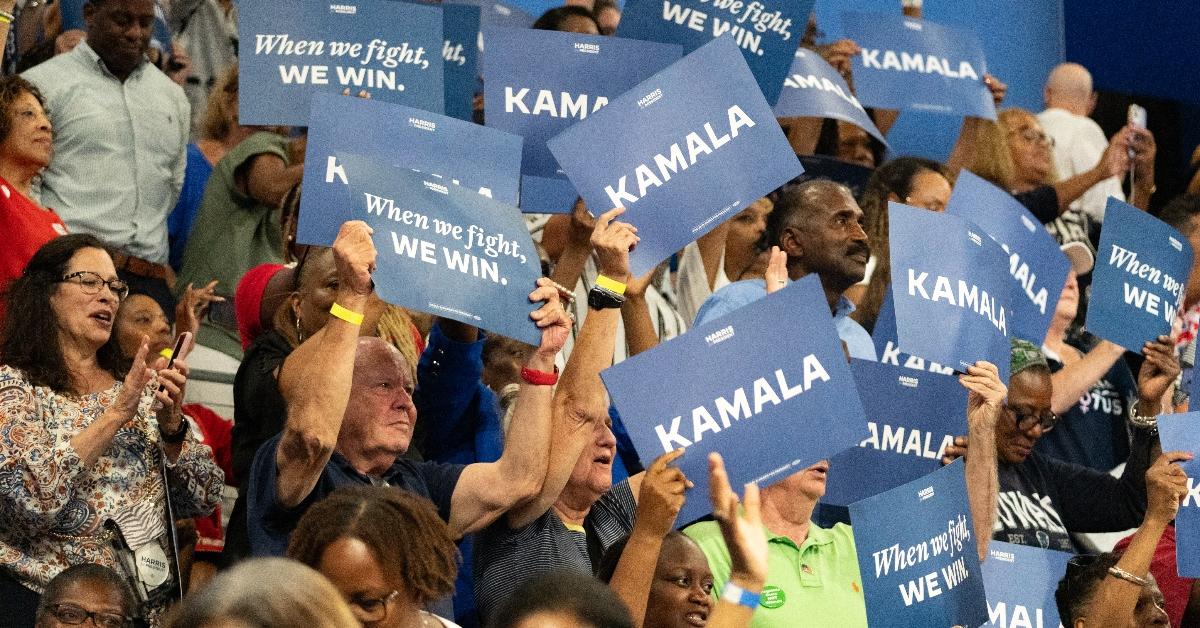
pixel 182 346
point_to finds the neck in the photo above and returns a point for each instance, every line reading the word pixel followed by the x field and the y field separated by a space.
pixel 407 615
pixel 787 514
pixel 1078 109
pixel 1057 333
pixel 1021 185
pixel 81 363
pixel 833 289
pixel 19 175
pixel 374 463
pixel 574 504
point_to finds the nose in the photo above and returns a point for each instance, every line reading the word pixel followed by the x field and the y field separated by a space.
pixel 697 595
pixel 607 438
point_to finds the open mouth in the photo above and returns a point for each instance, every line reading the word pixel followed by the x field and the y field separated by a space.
pixel 697 618
pixel 104 317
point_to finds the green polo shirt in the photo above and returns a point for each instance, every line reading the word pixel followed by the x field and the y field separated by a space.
pixel 814 584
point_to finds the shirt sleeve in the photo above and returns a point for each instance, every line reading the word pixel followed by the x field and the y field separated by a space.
pixel 449 399
pixel 1094 501
pixel 196 482
pixel 441 479
pixel 1042 202
pixel 184 122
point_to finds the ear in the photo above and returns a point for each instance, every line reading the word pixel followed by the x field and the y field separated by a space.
pixel 790 242
pixel 294 303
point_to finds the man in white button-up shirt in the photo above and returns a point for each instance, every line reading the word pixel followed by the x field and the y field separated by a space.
pixel 120 136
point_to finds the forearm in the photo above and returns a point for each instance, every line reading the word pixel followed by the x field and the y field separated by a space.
pixel 885 119
pixel 982 484
pixel 570 264
pixel 966 149
pixel 1116 598
pixel 91 442
pixel 527 444
pixel 639 327
pixel 1074 379
pixel 635 572
pixel 1069 190
pixel 803 134
pixel 730 615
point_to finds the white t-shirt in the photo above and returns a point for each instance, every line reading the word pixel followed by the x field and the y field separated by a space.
pixel 1078 146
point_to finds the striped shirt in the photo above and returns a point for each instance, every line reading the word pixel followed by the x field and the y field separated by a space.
pixel 506 558
pixel 120 149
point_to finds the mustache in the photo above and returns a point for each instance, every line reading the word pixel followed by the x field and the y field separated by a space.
pixel 861 247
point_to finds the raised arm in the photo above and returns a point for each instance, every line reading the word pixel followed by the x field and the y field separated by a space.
pixel 635 313
pixel 315 379
pixel 580 400
pixel 568 268
pixel 487 490
pixel 1113 163
pixel 984 403
pixel 1073 380
pixel 746 539
pixel 1115 597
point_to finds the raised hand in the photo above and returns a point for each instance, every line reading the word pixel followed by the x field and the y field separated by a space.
pixel 354 254
pixel 612 241
pixel 1166 485
pixel 1158 372
pixel 661 495
pixel 193 304
pixel 136 379
pixel 996 87
pixel 986 394
pixel 743 531
pixel 551 318
pixel 777 273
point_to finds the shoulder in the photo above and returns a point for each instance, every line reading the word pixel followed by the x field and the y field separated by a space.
pixel 13 384
pixel 260 142
pixel 730 298
pixel 55 73
pixel 842 536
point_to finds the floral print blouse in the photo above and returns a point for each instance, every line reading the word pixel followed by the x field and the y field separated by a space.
pixel 53 507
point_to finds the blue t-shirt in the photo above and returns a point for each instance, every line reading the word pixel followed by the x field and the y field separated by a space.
pixel 179 222
pixel 271 525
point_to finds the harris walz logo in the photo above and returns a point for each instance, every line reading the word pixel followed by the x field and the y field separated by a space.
pixel 721 335
pixel 343 9
pixel 424 125
pixel 591 49
pixel 650 99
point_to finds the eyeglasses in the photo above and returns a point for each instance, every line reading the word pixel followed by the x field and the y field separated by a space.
pixel 73 616
pixel 1026 421
pixel 373 608
pixel 92 282
pixel 1035 136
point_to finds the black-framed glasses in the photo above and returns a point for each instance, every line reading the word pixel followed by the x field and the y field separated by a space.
pixel 373 608
pixel 73 615
pixel 1026 421
pixel 92 282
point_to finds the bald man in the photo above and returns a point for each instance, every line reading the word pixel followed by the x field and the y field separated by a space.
pixel 1078 141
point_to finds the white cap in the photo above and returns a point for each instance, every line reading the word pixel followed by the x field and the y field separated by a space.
pixel 1081 257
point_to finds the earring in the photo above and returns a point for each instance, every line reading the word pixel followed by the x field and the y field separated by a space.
pixel 299 334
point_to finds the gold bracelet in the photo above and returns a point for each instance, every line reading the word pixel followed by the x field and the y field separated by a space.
pixel 350 316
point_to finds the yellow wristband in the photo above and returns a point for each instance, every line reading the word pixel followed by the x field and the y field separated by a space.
pixel 612 285
pixel 352 317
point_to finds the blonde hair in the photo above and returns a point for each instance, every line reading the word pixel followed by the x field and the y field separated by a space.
pixel 265 593
pixel 396 328
pixel 216 123
pixel 993 159
pixel 1008 120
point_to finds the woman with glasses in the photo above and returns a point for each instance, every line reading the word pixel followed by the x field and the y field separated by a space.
pixel 85 441
pixel 385 550
pixel 86 592
pixel 1043 500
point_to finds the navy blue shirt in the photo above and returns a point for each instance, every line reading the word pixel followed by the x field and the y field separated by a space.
pixel 270 525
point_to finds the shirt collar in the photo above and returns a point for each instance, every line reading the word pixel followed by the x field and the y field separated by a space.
pixel 844 307
pixel 94 60
pixel 816 536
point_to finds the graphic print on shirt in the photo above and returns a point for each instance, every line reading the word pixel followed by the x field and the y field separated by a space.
pixel 1018 516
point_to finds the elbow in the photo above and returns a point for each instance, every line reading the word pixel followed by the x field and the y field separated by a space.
pixel 306 445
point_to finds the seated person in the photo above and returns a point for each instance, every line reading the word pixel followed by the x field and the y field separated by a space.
pixel 85 592
pixel 1044 500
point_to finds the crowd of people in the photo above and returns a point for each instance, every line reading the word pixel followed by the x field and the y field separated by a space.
pixel 385 467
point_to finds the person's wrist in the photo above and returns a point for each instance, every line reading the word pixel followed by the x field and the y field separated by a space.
pixel 352 300
pixel 622 276
pixel 542 360
pixel 748 581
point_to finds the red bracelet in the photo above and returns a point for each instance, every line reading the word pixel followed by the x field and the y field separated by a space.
pixel 539 378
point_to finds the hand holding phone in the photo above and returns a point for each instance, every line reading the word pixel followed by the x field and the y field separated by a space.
pixel 183 346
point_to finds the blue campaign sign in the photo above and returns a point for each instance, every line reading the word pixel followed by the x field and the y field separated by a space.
pixel 1142 267
pixel 916 553
pixel 1037 266
pixel 954 307
pixel 482 159
pixel 771 403
pixel 814 89
pixel 526 96
pixel 1181 432
pixel 768 32
pixel 888 348
pixel 502 14
pixel 1020 581
pixel 919 65
pixel 446 250
pixel 460 54
pixel 697 144
pixel 547 195
pixel 293 49
pixel 911 418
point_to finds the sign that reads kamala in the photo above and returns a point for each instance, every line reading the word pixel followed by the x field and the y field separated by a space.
pixel 446 250
pixel 918 64
pixel 1020 581
pixel 292 49
pixel 1181 432
pixel 526 96
pixel 813 88
pixel 911 418
pixel 697 144
pixel 954 308
pixel 1037 266
pixel 460 55
pixel 917 554
pixel 768 32
pixel 1142 267
pixel 887 347
pixel 771 403
pixel 482 159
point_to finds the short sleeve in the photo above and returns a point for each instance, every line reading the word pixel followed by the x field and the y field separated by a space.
pixel 440 479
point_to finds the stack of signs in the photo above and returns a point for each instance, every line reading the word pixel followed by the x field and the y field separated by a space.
pixel 460 55
pixel 768 32
pixel 526 96
pixel 911 418
pixel 1141 273
pixel 1020 581
pixel 918 65
pixel 771 403
pixel 1037 266
pixel 917 554
pixel 965 288
pixel 697 144
pixel 482 159
pixel 1181 432
pixel 293 49
pixel 814 89
pixel 446 250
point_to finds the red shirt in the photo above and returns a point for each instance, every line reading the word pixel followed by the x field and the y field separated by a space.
pixel 1176 590
pixel 215 431
pixel 24 228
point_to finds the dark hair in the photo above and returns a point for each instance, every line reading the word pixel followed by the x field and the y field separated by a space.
pixel 1181 212
pixel 553 19
pixel 894 177
pixel 601 5
pixel 587 600
pixel 1078 585
pixel 425 563
pixel 96 574
pixel 11 88
pixel 612 556
pixel 795 203
pixel 30 334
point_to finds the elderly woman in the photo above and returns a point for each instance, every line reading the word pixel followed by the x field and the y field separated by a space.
pixel 25 147
pixel 88 451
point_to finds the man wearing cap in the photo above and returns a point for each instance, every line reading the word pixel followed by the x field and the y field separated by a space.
pixel 1044 500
